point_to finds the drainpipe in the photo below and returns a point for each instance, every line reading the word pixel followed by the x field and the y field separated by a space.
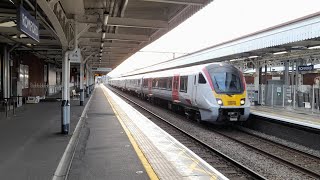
pixel 65 106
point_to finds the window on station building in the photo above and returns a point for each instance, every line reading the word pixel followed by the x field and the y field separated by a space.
pixel 201 80
pixel 183 83
pixel 169 83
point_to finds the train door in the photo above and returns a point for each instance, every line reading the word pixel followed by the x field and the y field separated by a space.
pixel 175 90
pixel 194 90
pixel 200 88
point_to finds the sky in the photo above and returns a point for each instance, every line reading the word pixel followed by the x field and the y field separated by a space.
pixel 220 21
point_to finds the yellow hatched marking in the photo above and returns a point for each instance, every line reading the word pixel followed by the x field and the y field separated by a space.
pixel 143 159
pixel 194 166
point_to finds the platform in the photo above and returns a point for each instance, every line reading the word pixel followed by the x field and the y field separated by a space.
pixel 31 143
pixel 302 118
pixel 118 142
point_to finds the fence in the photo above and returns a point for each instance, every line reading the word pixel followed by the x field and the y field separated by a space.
pixel 304 97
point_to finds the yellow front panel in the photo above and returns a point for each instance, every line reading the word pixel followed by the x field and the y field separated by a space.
pixel 231 100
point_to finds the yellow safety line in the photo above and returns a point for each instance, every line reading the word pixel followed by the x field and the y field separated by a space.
pixel 143 159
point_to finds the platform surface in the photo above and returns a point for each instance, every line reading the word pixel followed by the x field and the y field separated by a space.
pixel 31 143
pixel 307 119
pixel 118 142
pixel 104 150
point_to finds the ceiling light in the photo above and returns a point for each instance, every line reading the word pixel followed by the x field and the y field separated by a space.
pixel 8 24
pixel 282 52
pixel 103 35
pixel 106 17
pixel 23 36
pixel 252 57
pixel 101 45
pixel 29 44
pixel 14 37
pixel 314 47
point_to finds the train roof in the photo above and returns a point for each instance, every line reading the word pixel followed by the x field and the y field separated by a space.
pixel 181 71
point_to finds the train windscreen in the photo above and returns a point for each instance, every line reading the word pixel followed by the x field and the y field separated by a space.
pixel 226 82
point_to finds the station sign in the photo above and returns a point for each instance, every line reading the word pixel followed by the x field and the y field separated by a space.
pixel 306 68
pixel 75 57
pixel 101 69
pixel 27 24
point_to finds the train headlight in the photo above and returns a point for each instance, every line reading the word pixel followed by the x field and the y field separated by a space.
pixel 243 101
pixel 219 101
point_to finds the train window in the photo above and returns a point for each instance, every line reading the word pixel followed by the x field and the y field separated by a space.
pixel 145 83
pixel 155 83
pixel 195 80
pixel 226 82
pixel 183 83
pixel 162 83
pixel 169 83
pixel 201 80
pixel 139 82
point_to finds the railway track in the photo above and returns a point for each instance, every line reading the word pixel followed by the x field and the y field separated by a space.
pixel 220 161
pixel 294 159
pixel 299 160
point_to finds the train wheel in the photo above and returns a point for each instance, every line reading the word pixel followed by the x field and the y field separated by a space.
pixel 198 118
pixel 170 105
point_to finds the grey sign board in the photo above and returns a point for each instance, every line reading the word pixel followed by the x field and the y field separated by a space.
pixel 28 24
pixel 306 68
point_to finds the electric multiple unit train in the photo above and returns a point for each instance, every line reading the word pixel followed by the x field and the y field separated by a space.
pixel 213 92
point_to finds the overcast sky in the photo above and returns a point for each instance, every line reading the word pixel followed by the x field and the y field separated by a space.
pixel 219 21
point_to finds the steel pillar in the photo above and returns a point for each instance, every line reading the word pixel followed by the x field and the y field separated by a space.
pixel 65 106
pixel 286 73
pixel 81 83
pixel 87 80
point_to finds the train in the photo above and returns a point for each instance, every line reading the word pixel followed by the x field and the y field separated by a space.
pixel 214 93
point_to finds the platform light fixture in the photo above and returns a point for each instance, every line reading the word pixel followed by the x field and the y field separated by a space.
pixel 103 35
pixel 8 24
pixel 250 57
pixel 105 18
pixel 314 47
pixel 281 52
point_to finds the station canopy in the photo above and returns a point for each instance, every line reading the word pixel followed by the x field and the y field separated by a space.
pixel 294 40
pixel 109 31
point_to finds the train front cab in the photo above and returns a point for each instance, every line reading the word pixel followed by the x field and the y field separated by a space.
pixel 229 90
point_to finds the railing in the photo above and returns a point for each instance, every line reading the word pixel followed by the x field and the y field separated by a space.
pixel 303 97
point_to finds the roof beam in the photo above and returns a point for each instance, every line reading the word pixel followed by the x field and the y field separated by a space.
pixel 125 22
pixel 14 30
pixel 185 2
